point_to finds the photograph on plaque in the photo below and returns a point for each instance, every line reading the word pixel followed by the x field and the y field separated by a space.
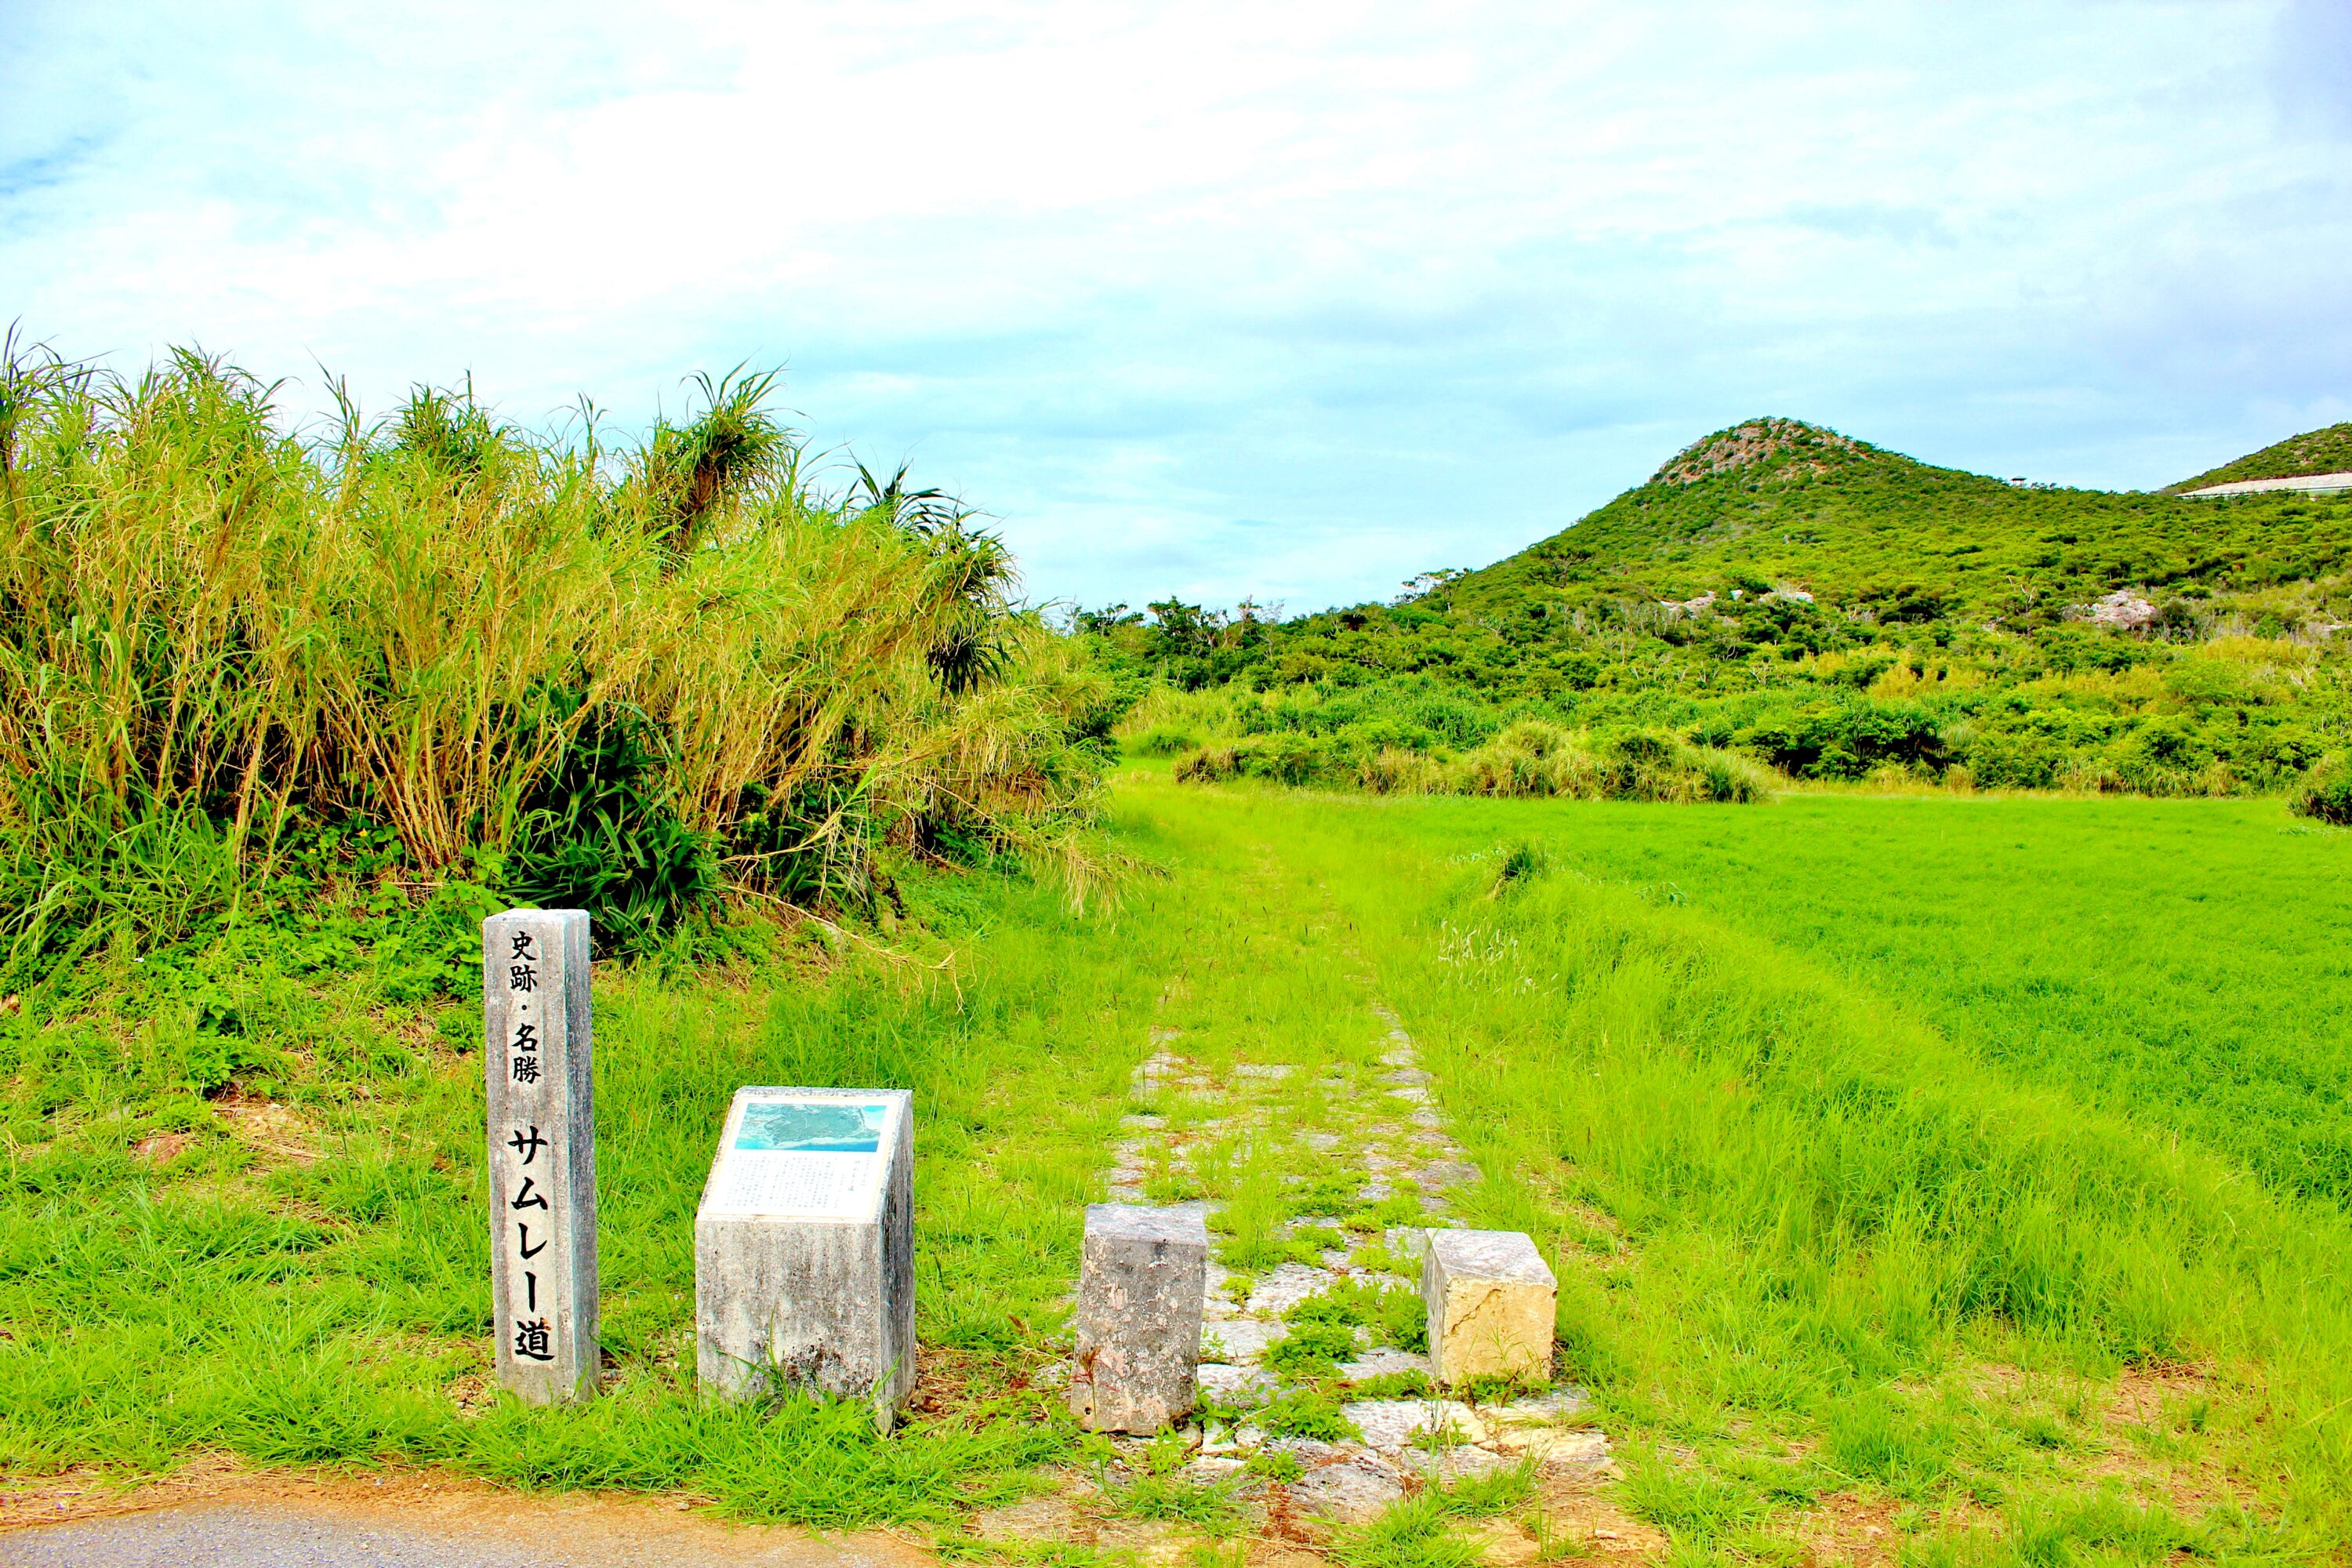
pixel 804 1156
pixel 820 1127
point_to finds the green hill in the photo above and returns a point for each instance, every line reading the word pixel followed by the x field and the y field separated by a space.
pixel 2328 451
pixel 1779 503
pixel 1837 609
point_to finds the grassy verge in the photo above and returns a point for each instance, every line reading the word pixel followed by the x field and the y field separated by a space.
pixel 295 1270
pixel 1838 1283
pixel 241 1209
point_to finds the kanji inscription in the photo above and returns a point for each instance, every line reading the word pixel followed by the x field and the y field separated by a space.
pixel 537 1069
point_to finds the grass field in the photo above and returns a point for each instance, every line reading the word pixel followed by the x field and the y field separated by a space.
pixel 2178 962
pixel 1837 1254
pixel 1853 1149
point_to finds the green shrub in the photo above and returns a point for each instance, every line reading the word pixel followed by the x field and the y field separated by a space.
pixel 1393 771
pixel 1847 739
pixel 1162 740
pixel 1275 1465
pixel 2168 756
pixel 2325 793
pixel 1310 1350
pixel 1526 758
pixel 1392 1311
pixel 1532 757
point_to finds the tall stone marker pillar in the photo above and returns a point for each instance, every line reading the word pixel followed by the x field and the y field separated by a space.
pixel 1491 1301
pixel 804 1247
pixel 542 1133
pixel 1142 1274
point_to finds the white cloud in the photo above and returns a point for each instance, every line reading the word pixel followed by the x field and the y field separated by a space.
pixel 1227 298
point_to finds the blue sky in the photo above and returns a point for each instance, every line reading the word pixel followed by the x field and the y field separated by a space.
pixel 1286 299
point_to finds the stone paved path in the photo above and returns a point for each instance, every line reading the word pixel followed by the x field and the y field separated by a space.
pixel 1320 1185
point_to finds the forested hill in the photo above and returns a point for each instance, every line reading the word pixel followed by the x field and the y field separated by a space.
pixel 1834 608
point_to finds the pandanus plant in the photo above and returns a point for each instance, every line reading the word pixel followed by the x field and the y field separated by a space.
pixel 970 580
pixel 685 473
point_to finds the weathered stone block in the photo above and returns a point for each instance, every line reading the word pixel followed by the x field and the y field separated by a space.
pixel 538 1045
pixel 1142 1274
pixel 1491 1302
pixel 804 1247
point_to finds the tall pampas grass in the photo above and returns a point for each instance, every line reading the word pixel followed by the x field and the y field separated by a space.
pixel 212 629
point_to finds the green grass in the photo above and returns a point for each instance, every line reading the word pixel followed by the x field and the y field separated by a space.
pixel 1813 1244
pixel 335 1308
pixel 2177 963
pixel 322 1297
pixel 1822 1241
pixel 1420 1532
pixel 1161 1492
pixel 1820 1202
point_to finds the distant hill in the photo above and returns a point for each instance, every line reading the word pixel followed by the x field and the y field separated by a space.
pixel 1775 502
pixel 1836 608
pixel 2328 451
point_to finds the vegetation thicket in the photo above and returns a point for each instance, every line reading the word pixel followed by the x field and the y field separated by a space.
pixel 439 661
pixel 1526 756
pixel 1833 610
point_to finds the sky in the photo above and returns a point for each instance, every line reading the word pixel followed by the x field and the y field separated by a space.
pixel 1283 300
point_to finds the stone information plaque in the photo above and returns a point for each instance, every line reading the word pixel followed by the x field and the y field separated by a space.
pixel 804 1246
pixel 537 1049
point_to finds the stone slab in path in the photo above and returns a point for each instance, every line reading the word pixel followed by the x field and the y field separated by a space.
pixel 1390 1424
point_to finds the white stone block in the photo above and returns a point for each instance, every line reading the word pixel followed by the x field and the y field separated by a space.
pixel 804 1247
pixel 538 1045
pixel 1491 1302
